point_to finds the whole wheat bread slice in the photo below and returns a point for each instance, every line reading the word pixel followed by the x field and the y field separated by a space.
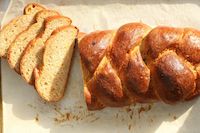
pixel 16 26
pixel 51 78
pixel 32 56
pixel 17 47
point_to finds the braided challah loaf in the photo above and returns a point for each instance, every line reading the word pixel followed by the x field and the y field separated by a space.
pixel 140 64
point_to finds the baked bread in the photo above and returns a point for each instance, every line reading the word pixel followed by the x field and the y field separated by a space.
pixel 17 47
pixel 16 26
pixel 139 64
pixel 32 56
pixel 51 78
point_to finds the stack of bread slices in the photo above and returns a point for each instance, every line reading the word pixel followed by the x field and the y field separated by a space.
pixel 39 46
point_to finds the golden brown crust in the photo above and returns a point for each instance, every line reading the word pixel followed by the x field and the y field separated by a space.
pixel 138 64
pixel 29 8
pixel 94 46
pixel 91 101
pixel 169 77
pixel 107 86
pixel 137 74
pixel 49 19
pixel 161 38
pixel 127 37
pixel 59 29
pixel 44 13
pixel 190 45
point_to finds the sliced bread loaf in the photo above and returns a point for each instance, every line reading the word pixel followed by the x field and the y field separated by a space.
pixel 16 26
pixel 32 56
pixel 51 78
pixel 17 47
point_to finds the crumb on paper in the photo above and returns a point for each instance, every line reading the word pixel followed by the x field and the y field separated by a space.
pixel 44 102
pixel 63 118
pixel 31 106
pixel 116 116
pixel 56 108
pixel 77 116
pixel 37 118
pixel 149 107
pixel 58 111
pixel 80 107
pixel 90 114
pixel 141 109
pixel 129 127
pixel 128 109
pixel 174 117
pixel 144 109
pixel 131 115
pixel 97 118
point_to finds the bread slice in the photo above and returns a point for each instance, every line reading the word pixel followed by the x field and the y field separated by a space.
pixel 17 47
pixel 33 8
pixel 32 56
pixel 16 26
pixel 51 78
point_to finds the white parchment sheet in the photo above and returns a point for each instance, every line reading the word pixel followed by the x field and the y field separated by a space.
pixel 25 112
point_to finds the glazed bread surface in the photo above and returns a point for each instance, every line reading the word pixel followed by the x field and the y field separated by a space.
pixel 136 63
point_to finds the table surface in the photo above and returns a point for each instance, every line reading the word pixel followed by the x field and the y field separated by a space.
pixel 3 7
pixel 22 105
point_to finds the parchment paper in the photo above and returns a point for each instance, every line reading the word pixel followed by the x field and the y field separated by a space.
pixel 25 112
